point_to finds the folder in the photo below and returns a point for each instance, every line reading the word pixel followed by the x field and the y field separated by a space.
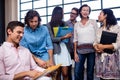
pixel 108 38
pixel 55 29
pixel 47 71
pixel 62 31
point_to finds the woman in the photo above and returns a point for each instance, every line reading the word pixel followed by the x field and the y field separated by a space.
pixel 37 39
pixel 61 54
pixel 107 65
pixel 84 36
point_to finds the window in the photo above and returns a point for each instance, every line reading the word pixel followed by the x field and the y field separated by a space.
pixel 111 3
pixel 45 7
pixel 54 2
pixel 39 3
pixel 27 5
pixel 68 7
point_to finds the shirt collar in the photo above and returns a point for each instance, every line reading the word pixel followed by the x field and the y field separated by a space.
pixel 9 44
pixel 32 30
pixel 71 21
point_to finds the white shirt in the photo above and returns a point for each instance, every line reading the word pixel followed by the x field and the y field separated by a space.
pixel 85 33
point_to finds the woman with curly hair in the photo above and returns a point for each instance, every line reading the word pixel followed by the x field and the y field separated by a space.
pixel 107 64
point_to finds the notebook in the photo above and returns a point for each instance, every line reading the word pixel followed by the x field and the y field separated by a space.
pixel 47 71
pixel 108 38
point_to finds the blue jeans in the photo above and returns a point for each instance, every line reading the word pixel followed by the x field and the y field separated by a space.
pixel 79 66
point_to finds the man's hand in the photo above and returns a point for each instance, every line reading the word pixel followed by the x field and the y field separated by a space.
pixel 32 73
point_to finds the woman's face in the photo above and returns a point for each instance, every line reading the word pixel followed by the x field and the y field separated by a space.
pixel 102 17
pixel 85 12
pixel 33 22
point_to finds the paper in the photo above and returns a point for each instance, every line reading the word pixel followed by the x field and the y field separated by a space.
pixel 48 70
pixel 52 68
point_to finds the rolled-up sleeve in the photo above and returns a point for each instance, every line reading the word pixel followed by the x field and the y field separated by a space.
pixel 117 44
pixel 48 39
pixel 75 33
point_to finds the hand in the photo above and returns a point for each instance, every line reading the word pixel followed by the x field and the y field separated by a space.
pixel 38 75
pixel 99 48
pixel 42 63
pixel 32 73
pixel 76 57
pixel 96 47
pixel 50 63
pixel 68 35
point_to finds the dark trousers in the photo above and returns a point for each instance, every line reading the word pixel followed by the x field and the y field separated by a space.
pixel 79 66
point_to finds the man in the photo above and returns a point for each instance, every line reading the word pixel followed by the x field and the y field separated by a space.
pixel 73 16
pixel 37 39
pixel 16 62
pixel 70 23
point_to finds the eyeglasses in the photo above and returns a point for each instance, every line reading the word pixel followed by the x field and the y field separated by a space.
pixel 73 13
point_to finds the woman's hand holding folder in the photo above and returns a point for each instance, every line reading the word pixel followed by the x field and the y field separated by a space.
pixel 66 36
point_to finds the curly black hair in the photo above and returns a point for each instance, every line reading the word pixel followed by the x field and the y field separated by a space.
pixel 110 19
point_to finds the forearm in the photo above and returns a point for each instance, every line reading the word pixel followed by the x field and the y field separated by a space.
pixel 63 37
pixel 50 52
pixel 56 39
pixel 20 75
pixel 109 46
pixel 37 59
pixel 75 47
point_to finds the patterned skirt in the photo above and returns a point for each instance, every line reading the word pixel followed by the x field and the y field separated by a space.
pixel 108 65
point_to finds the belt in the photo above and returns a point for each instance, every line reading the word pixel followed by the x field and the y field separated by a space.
pixel 84 46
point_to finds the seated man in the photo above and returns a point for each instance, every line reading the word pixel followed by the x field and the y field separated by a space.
pixel 16 62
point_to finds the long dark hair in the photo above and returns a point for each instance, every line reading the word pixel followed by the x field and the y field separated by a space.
pixel 110 19
pixel 30 15
pixel 57 16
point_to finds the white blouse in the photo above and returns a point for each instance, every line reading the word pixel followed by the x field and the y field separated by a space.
pixel 85 33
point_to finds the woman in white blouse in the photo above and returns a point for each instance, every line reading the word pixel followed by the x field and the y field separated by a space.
pixel 84 36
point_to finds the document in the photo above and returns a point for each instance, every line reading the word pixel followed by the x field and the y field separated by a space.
pixel 47 71
pixel 108 38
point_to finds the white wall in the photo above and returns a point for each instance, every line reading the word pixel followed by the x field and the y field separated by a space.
pixel 11 11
